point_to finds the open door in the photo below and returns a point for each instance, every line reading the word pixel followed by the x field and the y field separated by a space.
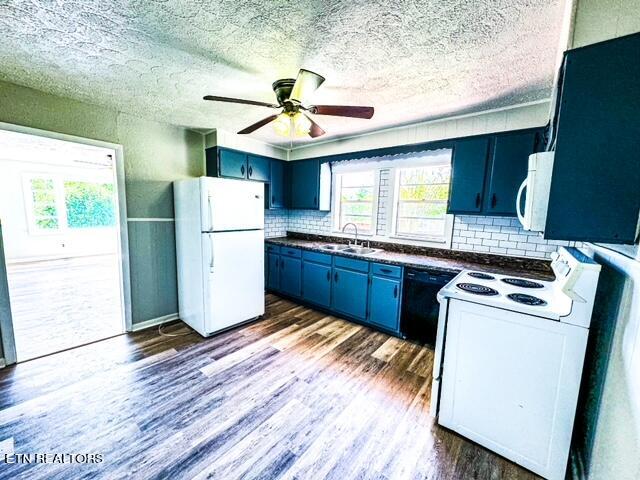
pixel 8 344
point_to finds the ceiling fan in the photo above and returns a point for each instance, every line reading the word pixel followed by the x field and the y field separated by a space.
pixel 292 95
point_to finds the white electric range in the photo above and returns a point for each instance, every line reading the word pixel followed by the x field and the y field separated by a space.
pixel 509 357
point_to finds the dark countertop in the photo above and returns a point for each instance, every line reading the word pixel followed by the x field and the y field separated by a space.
pixel 420 257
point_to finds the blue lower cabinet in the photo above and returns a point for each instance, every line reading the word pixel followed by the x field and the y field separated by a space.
pixel 291 276
pixel 273 271
pixel 316 283
pixel 384 302
pixel 350 293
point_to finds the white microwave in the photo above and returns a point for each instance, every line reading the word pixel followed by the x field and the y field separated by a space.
pixel 537 186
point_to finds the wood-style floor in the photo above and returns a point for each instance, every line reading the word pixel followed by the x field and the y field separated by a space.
pixel 60 304
pixel 298 394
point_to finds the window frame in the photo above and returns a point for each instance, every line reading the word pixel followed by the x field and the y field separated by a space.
pixel 61 212
pixel 336 188
pixel 393 205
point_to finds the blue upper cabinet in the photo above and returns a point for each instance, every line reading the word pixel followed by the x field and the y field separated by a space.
pixel 509 163
pixel 258 168
pixel 310 185
pixel 384 302
pixel 232 164
pixel 276 196
pixel 349 294
pixel 468 170
pixel 316 283
pixel 595 187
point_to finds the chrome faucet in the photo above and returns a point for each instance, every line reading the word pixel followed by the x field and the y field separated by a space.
pixel 355 243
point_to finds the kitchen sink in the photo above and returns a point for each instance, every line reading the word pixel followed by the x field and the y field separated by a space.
pixel 334 248
pixel 360 250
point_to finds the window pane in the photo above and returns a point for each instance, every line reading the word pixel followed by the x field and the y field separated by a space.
pixel 358 179
pixel 422 201
pixel 424 192
pixel 357 209
pixel 89 205
pixel 357 194
pixel 431 210
pixel 420 227
pixel 45 213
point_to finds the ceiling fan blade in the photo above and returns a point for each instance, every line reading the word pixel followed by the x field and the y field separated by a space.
pixel 239 100
pixel 342 111
pixel 315 130
pixel 257 125
pixel 307 82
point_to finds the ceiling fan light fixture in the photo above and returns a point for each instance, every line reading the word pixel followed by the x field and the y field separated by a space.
pixel 282 125
pixel 301 125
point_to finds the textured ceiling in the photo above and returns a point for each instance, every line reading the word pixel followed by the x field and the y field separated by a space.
pixel 411 60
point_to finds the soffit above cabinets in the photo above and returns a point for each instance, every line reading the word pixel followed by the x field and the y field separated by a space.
pixel 412 61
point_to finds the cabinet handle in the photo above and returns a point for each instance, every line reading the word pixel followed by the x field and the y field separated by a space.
pixel 477 200
pixel 242 169
pixel 250 171
pixel 395 291
pixel 335 277
pixel 281 265
pixel 494 200
pixel 328 276
pixel 385 270
pixel 315 200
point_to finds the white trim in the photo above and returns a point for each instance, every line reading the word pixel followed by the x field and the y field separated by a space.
pixel 118 169
pixel 136 327
pixel 151 219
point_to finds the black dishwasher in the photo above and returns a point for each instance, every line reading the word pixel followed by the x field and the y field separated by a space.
pixel 419 320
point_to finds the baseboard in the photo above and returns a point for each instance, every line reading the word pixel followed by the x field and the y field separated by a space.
pixel 576 465
pixel 154 322
pixel 2 363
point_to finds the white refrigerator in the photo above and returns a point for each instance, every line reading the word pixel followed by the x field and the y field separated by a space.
pixel 220 252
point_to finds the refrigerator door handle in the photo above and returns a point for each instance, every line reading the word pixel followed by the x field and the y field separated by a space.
pixel 210 212
pixel 212 246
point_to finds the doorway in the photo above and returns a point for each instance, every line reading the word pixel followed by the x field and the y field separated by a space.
pixel 61 229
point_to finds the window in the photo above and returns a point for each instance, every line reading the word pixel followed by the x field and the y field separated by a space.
pixel 54 204
pixel 356 195
pixel 43 204
pixel 89 205
pixel 395 198
pixel 420 199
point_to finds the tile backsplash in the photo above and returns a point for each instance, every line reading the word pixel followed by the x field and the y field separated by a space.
pixel 498 235
pixel 501 235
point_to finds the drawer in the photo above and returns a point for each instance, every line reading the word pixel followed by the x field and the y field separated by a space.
pixel 351 264
pixel 291 252
pixel 271 248
pixel 386 270
pixel 316 257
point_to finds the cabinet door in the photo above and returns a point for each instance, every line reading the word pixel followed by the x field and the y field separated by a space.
pixel 384 302
pixel 467 175
pixel 232 164
pixel 508 170
pixel 290 275
pixel 258 168
pixel 305 184
pixel 350 293
pixel 273 271
pixel 316 283
pixel 276 185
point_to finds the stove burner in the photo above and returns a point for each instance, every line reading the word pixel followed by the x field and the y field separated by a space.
pixel 476 289
pixel 521 282
pixel 482 276
pixel 527 299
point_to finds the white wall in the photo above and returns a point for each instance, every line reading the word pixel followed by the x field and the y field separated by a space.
pixel 20 243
